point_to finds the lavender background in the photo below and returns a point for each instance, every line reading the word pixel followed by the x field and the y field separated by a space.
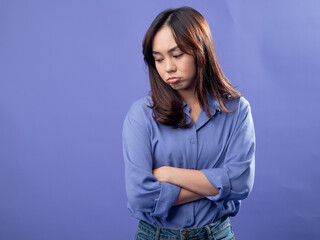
pixel 69 71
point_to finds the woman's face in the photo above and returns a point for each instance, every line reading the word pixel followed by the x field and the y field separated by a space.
pixel 175 67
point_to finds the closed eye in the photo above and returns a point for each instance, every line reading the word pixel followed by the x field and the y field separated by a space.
pixel 177 56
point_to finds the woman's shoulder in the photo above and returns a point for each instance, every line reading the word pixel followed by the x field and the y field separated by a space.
pixel 239 104
pixel 138 119
pixel 141 107
pixel 243 103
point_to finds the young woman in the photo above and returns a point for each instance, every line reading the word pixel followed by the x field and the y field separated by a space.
pixel 188 147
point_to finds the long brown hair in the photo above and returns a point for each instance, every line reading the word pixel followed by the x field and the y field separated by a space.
pixel 192 35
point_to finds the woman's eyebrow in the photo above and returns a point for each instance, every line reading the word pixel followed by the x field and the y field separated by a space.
pixel 171 50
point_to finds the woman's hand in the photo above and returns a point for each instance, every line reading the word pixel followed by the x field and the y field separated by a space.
pixel 162 174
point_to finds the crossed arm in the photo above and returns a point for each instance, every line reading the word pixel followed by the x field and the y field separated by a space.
pixel 194 184
pixel 161 188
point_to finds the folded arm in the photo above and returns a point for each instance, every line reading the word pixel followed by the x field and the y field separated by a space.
pixel 145 193
pixel 233 180
pixel 194 184
pixel 192 180
pixel 186 196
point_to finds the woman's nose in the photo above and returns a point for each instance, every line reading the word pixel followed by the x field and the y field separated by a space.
pixel 170 66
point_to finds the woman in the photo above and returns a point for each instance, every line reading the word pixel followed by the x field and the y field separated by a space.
pixel 189 146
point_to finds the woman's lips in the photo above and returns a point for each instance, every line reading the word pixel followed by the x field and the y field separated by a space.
pixel 173 80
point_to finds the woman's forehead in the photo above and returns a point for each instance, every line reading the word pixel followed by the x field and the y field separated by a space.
pixel 164 40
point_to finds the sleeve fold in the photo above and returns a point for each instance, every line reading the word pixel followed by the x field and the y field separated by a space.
pixel 144 192
pixel 234 177
pixel 167 197
pixel 219 178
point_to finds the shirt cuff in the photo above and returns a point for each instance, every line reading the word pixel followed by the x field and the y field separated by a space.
pixel 168 195
pixel 219 178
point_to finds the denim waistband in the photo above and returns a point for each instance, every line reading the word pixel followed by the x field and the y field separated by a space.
pixel 185 233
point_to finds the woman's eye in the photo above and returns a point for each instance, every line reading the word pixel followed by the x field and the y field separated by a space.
pixel 158 60
pixel 177 56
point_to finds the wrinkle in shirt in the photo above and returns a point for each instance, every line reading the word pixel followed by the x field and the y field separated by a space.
pixel 222 147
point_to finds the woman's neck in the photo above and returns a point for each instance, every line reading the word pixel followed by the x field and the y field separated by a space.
pixel 189 97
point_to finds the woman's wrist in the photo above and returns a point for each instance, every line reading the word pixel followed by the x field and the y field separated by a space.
pixel 169 172
pixel 164 174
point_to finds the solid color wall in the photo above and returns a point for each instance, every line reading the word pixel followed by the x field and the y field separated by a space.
pixel 69 71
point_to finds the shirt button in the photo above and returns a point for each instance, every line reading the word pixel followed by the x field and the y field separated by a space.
pixel 192 141
pixel 188 220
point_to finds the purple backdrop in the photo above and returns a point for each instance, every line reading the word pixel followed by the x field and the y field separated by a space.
pixel 69 70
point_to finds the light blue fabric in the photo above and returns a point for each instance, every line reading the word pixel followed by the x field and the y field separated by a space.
pixel 222 147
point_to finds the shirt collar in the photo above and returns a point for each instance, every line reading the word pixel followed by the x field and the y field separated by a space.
pixel 213 105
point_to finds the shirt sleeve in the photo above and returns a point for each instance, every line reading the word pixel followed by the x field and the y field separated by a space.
pixel 144 192
pixel 235 178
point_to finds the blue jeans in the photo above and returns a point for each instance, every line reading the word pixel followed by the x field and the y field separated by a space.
pixel 220 229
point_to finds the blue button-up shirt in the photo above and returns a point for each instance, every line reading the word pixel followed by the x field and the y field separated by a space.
pixel 222 148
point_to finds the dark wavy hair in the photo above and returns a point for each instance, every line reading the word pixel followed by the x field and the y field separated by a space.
pixel 192 35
